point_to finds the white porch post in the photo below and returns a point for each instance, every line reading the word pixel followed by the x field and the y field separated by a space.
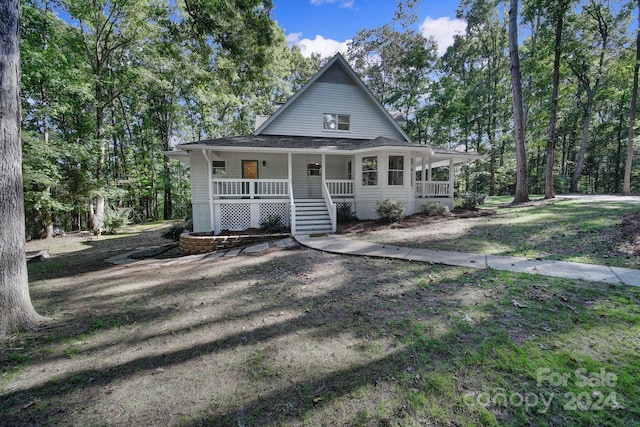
pixel 451 174
pixel 429 171
pixel 292 206
pixel 210 182
pixel 289 170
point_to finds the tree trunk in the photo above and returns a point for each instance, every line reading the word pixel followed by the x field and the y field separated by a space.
pixel 549 189
pixel 632 114
pixel 591 95
pixel 16 310
pixel 97 216
pixel 522 189
pixel 168 125
pixel 583 143
pixel 49 219
pixel 620 128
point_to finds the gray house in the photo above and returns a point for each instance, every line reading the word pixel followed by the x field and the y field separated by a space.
pixel 331 143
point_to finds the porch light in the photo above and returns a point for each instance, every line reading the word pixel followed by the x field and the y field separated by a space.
pixel 264 163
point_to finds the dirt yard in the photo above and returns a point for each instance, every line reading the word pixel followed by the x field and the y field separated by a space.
pixel 282 337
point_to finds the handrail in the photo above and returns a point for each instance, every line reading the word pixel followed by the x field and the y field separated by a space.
pixel 331 207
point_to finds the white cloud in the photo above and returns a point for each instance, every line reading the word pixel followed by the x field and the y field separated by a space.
pixel 442 29
pixel 293 38
pixel 343 4
pixel 325 47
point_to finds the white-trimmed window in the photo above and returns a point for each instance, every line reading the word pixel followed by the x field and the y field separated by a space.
pixel 396 170
pixel 370 170
pixel 219 167
pixel 314 169
pixel 331 121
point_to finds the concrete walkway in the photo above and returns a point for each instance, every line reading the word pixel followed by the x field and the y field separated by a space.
pixel 571 270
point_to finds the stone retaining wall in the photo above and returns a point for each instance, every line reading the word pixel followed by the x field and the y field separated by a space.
pixel 201 243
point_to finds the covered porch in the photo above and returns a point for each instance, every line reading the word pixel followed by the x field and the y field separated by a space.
pixel 240 182
pixel 305 189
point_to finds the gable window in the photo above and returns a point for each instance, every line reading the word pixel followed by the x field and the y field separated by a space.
pixel 396 170
pixel 331 121
pixel 313 169
pixel 370 170
pixel 219 167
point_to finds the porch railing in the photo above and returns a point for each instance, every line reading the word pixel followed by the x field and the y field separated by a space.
pixel 340 187
pixel 433 189
pixel 275 188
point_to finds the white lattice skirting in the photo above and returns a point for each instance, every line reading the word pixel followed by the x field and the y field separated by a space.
pixel 275 209
pixel 241 216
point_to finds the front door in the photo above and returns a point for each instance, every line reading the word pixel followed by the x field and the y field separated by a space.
pixel 249 171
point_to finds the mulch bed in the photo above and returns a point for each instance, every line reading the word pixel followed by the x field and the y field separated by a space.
pixel 631 232
pixel 415 220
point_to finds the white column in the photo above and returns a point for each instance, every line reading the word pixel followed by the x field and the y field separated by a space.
pixel 289 170
pixel 210 181
pixel 323 167
pixel 451 174
pixel 292 207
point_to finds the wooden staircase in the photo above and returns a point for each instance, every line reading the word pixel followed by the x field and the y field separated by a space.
pixel 312 216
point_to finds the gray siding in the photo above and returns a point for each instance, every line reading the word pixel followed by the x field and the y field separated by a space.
pixel 367 196
pixel 274 167
pixel 336 166
pixel 306 187
pixel 201 217
pixel 199 184
pixel 304 116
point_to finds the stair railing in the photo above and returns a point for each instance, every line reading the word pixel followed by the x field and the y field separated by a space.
pixel 331 207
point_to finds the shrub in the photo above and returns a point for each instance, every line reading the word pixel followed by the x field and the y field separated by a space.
pixel 471 201
pixel 272 224
pixel 345 212
pixel 434 209
pixel 115 218
pixel 390 210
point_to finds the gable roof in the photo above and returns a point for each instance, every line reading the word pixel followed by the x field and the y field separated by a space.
pixel 337 60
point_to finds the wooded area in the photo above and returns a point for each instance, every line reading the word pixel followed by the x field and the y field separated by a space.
pixel 108 88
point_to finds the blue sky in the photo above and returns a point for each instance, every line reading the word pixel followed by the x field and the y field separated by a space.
pixel 325 26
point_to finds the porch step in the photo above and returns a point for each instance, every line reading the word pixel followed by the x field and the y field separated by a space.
pixel 312 216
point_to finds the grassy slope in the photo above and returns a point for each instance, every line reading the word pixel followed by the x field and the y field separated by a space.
pixel 306 338
pixel 567 230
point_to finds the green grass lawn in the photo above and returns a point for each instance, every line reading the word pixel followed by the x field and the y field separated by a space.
pixel 566 230
pixel 299 337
